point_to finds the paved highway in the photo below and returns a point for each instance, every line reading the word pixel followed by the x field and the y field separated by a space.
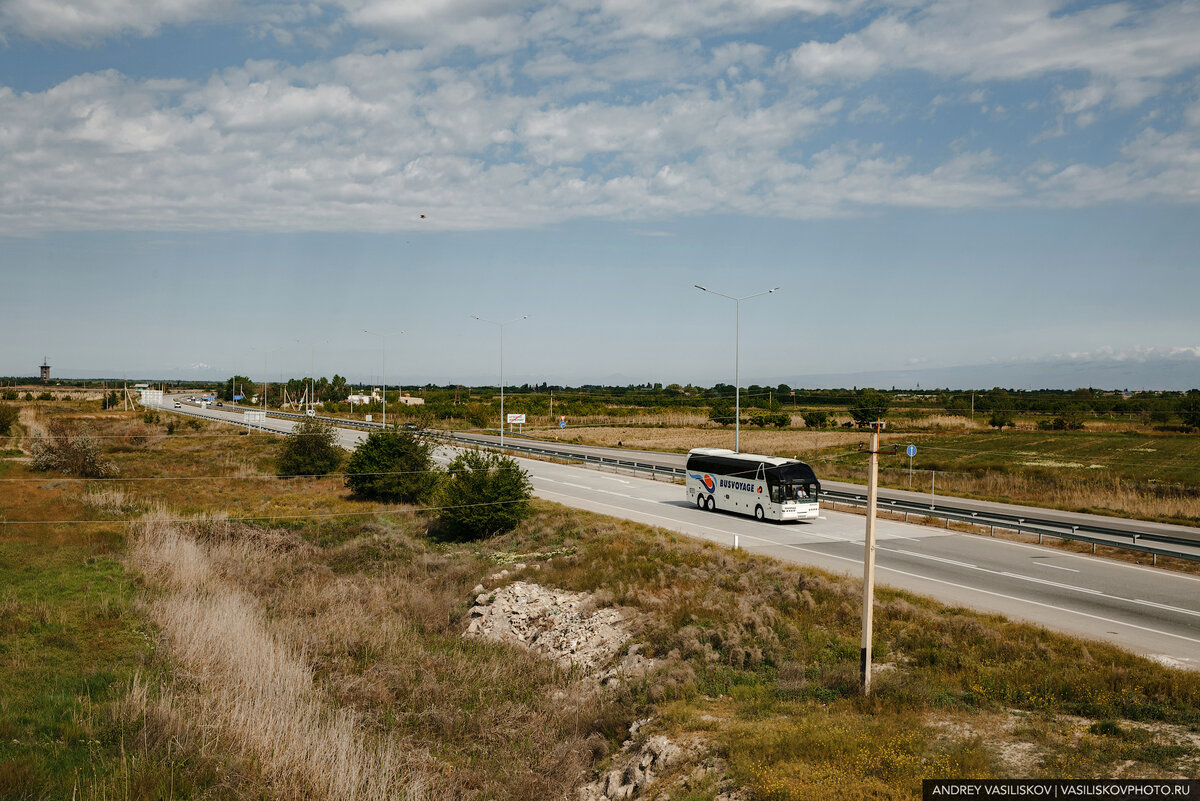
pixel 1180 533
pixel 1147 610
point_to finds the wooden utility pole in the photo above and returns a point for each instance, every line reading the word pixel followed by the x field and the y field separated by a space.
pixel 868 604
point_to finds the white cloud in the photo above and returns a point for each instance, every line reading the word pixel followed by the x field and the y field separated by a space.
pixel 595 117
pixel 87 21
pixel 1017 39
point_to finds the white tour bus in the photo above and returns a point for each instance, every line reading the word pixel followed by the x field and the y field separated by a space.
pixel 767 487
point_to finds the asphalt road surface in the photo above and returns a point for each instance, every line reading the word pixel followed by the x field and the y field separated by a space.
pixel 1151 611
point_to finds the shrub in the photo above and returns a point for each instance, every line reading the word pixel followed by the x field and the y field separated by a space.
pixel 8 416
pixel 392 466
pixel 10 394
pixel 45 396
pixel 483 494
pixel 721 412
pixel 814 418
pixel 1001 418
pixel 310 450
pixel 71 451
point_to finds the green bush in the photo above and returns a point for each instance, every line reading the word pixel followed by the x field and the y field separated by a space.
pixel 814 418
pixel 310 450
pixel 8 416
pixel 721 412
pixel 392 466
pixel 483 494
pixel 1001 418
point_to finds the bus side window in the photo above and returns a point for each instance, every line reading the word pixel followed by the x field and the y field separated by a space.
pixel 775 494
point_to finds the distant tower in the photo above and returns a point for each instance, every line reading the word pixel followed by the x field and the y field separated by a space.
pixel 45 369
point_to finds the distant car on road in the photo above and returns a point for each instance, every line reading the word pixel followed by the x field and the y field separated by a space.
pixel 411 426
pixel 178 405
pixel 220 404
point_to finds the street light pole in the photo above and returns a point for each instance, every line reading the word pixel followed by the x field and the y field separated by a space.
pixel 383 346
pixel 501 327
pixel 737 359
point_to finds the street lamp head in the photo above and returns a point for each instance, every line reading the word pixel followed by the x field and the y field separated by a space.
pixel 769 291
pixel 701 288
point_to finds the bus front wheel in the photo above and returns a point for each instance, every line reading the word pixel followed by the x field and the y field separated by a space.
pixel 700 500
pixel 759 514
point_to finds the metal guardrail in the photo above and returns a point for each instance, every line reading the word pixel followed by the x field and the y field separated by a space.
pixel 1042 527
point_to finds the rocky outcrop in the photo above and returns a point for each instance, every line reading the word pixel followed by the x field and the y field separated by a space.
pixel 659 767
pixel 563 626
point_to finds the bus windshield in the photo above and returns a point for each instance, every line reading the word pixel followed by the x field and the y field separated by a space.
pixel 796 491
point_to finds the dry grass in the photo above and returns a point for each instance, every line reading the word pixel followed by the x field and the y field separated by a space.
pixel 681 440
pixel 253 688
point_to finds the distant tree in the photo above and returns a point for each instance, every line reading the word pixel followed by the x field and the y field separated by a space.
pixel 869 406
pixel 236 386
pixel 1001 418
pixel 392 466
pixel 1189 409
pixel 483 494
pixel 310 450
pixel 814 418
pixel 8 417
pixel 721 412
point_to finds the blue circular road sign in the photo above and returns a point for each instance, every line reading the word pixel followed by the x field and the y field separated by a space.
pixel 911 450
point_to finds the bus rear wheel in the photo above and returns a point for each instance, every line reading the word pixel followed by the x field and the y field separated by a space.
pixel 759 514
pixel 710 504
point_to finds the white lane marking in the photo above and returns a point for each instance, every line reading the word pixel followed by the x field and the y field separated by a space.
pixel 1164 606
pixel 935 558
pixel 1066 554
pixel 1056 567
pixel 650 514
pixel 614 478
pixel 857 562
pixel 1062 586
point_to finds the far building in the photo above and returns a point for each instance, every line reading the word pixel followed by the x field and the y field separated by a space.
pixel 45 369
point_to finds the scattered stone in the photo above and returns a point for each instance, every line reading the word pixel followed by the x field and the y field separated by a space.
pixel 658 760
pixel 559 625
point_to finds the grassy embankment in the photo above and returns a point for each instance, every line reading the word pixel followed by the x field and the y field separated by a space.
pixel 321 656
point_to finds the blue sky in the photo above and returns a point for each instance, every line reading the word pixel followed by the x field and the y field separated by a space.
pixel 191 186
